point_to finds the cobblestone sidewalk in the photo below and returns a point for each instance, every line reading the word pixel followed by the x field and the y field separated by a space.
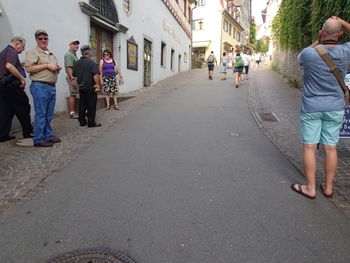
pixel 270 95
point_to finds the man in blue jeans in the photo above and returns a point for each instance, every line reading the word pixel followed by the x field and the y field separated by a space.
pixel 43 67
pixel 322 106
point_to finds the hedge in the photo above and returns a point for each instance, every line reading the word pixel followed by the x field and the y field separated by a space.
pixel 297 22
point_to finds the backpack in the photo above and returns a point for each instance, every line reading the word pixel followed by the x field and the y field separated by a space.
pixel 239 62
pixel 211 59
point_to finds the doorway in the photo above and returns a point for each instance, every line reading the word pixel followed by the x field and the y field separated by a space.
pixel 100 39
pixel 147 63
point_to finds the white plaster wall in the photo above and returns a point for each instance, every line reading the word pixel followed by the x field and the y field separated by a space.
pixel 211 14
pixel 62 20
pixel 146 21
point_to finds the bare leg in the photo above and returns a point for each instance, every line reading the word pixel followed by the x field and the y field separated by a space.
pixel 330 167
pixel 115 99
pixel 309 158
pixel 238 79
pixel 107 102
pixel 71 103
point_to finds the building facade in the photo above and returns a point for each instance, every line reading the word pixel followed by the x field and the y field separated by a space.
pixel 220 25
pixel 151 41
pixel 264 31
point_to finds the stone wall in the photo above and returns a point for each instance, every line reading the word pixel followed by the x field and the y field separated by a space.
pixel 286 63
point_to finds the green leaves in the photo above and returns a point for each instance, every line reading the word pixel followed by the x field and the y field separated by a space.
pixel 298 21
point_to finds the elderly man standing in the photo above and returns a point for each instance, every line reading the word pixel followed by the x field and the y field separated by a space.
pixel 322 105
pixel 88 79
pixel 13 99
pixel 43 67
pixel 70 58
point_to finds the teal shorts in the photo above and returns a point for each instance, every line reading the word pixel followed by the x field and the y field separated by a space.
pixel 321 127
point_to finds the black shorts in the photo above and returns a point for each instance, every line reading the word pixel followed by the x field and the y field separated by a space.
pixel 246 69
pixel 210 66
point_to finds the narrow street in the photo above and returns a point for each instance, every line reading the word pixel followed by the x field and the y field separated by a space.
pixel 187 176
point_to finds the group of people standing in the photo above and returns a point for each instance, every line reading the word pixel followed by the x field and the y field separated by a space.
pixel 84 77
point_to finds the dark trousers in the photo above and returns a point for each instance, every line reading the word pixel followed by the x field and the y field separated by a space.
pixel 87 106
pixel 14 101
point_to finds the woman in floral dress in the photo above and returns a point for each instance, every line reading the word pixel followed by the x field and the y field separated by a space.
pixel 109 78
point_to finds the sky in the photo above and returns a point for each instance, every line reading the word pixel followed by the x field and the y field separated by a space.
pixel 257 6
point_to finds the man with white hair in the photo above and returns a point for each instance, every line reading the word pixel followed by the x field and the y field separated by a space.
pixel 322 105
pixel 13 99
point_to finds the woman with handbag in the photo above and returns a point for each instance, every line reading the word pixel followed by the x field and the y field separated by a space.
pixel 110 70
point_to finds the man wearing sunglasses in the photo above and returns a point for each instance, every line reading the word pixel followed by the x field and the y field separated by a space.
pixel 43 69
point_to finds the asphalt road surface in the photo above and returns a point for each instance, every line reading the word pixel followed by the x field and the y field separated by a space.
pixel 188 178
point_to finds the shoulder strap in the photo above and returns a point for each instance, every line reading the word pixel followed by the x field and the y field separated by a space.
pixel 334 69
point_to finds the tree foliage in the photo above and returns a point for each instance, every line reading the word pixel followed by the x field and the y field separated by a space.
pixel 297 22
pixel 252 35
pixel 262 46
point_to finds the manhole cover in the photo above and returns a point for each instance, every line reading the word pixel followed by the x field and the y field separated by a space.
pixel 94 255
pixel 268 116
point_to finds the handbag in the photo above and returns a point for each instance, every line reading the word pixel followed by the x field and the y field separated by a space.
pixel 336 72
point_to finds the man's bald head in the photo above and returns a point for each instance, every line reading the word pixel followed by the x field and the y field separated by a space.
pixel 331 31
pixel 332 26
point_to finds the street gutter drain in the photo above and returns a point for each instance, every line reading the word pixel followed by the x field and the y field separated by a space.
pixel 268 116
pixel 94 255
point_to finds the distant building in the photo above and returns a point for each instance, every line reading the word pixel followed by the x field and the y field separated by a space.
pixel 264 31
pixel 151 40
pixel 220 25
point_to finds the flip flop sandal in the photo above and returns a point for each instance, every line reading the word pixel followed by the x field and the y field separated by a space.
pixel 323 192
pixel 299 190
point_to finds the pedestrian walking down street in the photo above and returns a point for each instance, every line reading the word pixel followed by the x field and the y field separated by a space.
pixel 43 69
pixel 70 58
pixel 88 80
pixel 257 59
pixel 109 72
pixel 211 61
pixel 13 99
pixel 246 60
pixel 238 67
pixel 322 105
pixel 223 66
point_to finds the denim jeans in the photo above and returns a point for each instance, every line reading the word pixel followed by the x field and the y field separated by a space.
pixel 44 98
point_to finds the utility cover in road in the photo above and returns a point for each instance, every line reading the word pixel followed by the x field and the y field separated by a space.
pixel 95 255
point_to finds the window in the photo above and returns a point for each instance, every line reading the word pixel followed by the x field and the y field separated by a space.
pixel 162 54
pixel 200 3
pixel 238 36
pixel 172 59
pixel 225 26
pixel 197 24
pixel 234 33
pixel 230 29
